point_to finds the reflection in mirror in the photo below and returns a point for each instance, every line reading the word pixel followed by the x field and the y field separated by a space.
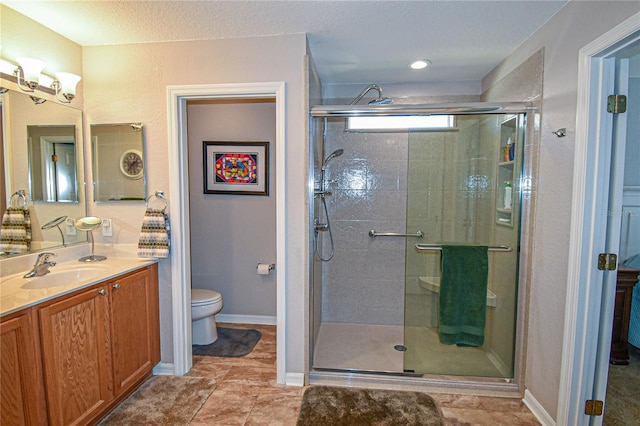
pixel 20 115
pixel 52 163
pixel 56 222
pixel 118 162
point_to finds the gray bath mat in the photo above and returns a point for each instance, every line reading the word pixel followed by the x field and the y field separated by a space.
pixel 334 406
pixel 232 342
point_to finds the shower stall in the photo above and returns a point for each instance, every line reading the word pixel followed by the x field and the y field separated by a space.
pixel 387 197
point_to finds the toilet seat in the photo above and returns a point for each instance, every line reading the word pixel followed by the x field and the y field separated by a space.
pixel 200 297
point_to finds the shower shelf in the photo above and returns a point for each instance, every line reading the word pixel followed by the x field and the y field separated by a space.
pixel 509 128
pixel 433 284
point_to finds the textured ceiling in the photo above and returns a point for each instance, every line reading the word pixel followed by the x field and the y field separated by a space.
pixel 351 41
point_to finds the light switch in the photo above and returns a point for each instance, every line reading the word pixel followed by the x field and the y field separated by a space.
pixel 107 228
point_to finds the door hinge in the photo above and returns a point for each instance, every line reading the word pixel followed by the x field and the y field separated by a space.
pixel 593 407
pixel 607 262
pixel 616 104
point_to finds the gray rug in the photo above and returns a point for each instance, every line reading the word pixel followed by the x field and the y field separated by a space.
pixel 334 406
pixel 232 342
pixel 162 401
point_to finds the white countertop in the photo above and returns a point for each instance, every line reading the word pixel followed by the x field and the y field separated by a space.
pixel 15 293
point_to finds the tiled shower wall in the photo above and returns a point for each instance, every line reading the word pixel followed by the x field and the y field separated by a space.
pixel 364 282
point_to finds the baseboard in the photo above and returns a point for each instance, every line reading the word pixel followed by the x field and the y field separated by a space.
pixel 164 369
pixel 538 410
pixel 294 379
pixel 246 319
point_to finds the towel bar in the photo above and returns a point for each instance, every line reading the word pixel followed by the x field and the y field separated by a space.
pixel 21 193
pixel 438 247
pixel 159 195
pixel 373 233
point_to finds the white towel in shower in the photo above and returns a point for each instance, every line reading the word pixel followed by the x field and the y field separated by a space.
pixel 154 235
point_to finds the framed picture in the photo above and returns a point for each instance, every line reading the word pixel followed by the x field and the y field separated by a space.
pixel 236 168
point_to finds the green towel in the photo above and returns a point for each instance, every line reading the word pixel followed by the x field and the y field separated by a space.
pixel 463 295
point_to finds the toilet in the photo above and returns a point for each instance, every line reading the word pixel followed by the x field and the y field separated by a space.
pixel 205 304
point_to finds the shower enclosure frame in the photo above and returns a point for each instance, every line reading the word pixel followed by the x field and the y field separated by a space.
pixel 407 381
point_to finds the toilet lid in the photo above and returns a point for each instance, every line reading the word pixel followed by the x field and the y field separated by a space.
pixel 200 296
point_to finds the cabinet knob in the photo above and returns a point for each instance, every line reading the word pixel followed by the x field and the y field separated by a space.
pixel 102 292
pixel 116 286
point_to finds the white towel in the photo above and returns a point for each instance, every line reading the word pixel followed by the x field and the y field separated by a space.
pixel 15 230
pixel 154 235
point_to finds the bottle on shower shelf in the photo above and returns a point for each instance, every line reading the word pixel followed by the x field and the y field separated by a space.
pixel 512 148
pixel 507 195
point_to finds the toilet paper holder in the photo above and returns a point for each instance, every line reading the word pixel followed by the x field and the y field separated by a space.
pixel 271 266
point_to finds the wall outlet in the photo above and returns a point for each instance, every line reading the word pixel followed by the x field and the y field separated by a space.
pixel 70 229
pixel 107 228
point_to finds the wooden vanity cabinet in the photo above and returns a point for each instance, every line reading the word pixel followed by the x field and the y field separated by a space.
pixel 75 353
pixel 135 342
pixel 98 344
pixel 21 388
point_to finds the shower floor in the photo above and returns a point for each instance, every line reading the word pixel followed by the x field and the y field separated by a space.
pixel 344 346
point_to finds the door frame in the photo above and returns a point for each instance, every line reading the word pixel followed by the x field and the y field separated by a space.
pixel 177 97
pixel 588 223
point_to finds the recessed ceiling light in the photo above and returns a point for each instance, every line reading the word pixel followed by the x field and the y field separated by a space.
pixel 420 64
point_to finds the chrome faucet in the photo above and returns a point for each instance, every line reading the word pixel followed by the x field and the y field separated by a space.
pixel 42 265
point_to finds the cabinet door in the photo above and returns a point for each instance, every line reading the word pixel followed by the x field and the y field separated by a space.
pixel 134 326
pixel 21 399
pixel 75 355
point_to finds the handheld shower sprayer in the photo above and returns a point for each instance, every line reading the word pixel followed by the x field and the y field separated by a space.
pixel 334 154
pixel 318 224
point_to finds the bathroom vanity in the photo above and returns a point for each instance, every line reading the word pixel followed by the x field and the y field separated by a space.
pixel 69 357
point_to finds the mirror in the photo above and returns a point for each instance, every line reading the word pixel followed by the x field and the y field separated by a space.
pixel 24 126
pixel 52 163
pixel 118 162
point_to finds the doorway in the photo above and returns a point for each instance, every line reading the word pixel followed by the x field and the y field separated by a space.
pixel 177 98
pixel 586 360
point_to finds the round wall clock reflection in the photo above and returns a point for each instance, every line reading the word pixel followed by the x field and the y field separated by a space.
pixel 131 164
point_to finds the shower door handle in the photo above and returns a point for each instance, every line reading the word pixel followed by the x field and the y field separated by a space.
pixel 373 233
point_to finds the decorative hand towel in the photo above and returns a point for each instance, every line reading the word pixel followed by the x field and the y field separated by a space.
pixel 463 295
pixel 15 230
pixel 154 235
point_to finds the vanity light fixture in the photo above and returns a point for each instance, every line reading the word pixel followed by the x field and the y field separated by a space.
pixel 29 76
pixel 30 69
pixel 65 83
pixel 420 64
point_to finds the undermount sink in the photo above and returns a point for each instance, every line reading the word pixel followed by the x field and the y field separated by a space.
pixel 60 277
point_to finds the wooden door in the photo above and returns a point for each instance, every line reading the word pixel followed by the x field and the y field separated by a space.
pixel 135 335
pixel 76 357
pixel 21 396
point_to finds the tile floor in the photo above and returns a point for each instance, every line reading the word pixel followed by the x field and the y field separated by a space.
pixel 247 394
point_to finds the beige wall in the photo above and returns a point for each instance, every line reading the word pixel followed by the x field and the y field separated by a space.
pixel 127 83
pixel 576 25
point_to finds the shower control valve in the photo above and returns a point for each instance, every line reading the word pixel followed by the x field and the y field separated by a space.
pixel 317 226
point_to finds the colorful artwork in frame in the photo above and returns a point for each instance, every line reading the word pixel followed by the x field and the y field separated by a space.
pixel 236 168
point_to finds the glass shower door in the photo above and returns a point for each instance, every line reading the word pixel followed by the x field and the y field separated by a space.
pixel 462 189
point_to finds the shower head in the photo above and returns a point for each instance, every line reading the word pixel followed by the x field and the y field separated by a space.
pixel 334 154
pixel 378 101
